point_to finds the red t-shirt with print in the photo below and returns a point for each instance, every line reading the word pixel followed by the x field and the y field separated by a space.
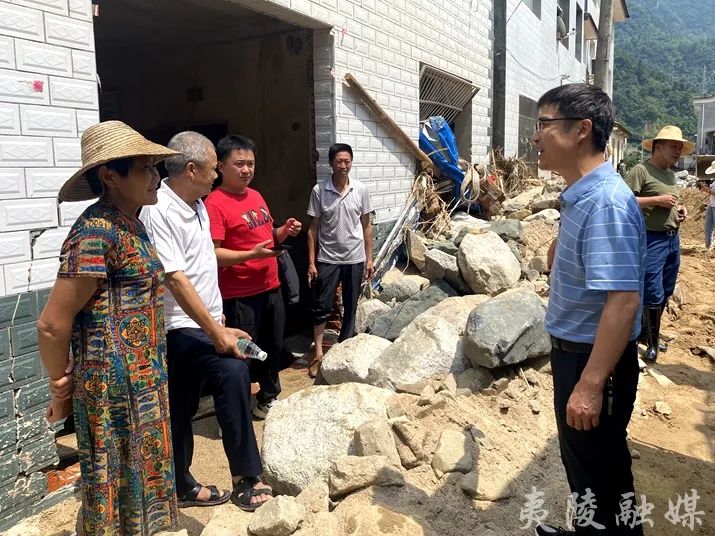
pixel 241 221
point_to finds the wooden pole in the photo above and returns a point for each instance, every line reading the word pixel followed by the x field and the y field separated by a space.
pixel 395 130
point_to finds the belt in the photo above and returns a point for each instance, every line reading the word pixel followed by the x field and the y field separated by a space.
pixel 569 346
pixel 671 232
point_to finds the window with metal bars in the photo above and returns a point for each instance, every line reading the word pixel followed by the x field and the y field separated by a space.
pixel 443 94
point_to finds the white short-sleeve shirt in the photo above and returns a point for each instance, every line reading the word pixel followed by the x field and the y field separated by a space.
pixel 340 234
pixel 182 240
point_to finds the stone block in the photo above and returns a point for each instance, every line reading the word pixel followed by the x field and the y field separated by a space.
pixel 22 493
pixel 32 427
pixel 42 296
pixel 9 468
pixel 38 455
pixel 7 405
pixel 5 375
pixel 26 369
pixel 8 436
pixel 32 397
pixel 4 344
pixel 18 309
pixel 23 339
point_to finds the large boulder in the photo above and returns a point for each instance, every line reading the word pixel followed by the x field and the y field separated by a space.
pixel 402 289
pixel 445 245
pixel 351 473
pixel 428 347
pixel 305 433
pixel 350 360
pixel 441 265
pixel 487 264
pixel 367 312
pixel 544 201
pixel 456 310
pixel 461 221
pixel 506 330
pixel 416 248
pixel 390 325
pixel 521 201
pixel 508 229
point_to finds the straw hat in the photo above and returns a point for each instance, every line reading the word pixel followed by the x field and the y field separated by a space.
pixel 673 134
pixel 102 143
pixel 711 169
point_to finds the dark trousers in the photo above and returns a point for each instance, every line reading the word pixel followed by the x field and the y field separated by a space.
pixel 193 363
pixel 662 265
pixel 329 275
pixel 598 459
pixel 263 317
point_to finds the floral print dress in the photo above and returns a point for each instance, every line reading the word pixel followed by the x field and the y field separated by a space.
pixel 121 404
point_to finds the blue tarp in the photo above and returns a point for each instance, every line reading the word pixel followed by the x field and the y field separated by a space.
pixel 438 142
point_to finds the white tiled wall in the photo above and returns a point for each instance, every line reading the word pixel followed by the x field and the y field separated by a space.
pixel 48 97
pixel 382 42
pixel 535 61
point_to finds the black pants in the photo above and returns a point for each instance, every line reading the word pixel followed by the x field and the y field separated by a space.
pixel 263 317
pixel 329 275
pixel 193 363
pixel 598 459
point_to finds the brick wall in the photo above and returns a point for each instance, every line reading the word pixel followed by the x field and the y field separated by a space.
pixel 48 96
pixel 382 44
pixel 27 443
pixel 535 61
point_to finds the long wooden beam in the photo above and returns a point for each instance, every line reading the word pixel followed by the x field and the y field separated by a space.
pixel 394 128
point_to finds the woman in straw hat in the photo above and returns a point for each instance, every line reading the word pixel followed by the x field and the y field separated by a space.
pixel 653 183
pixel 108 303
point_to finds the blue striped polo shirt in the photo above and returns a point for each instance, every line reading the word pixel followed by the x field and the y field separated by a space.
pixel 601 247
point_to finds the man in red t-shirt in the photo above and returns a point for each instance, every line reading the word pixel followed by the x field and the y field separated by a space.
pixel 243 235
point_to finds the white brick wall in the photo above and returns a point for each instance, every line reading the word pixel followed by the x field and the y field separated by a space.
pixel 48 97
pixel 382 43
pixel 535 61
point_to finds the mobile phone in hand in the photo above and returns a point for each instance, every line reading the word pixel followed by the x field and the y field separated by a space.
pixel 279 247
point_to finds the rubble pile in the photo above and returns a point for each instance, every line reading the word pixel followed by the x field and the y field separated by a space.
pixel 450 366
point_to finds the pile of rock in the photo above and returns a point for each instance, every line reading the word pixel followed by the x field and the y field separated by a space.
pixel 392 412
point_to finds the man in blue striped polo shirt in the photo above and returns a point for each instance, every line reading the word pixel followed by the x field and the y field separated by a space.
pixel 594 303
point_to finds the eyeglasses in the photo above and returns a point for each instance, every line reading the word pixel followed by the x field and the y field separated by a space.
pixel 541 123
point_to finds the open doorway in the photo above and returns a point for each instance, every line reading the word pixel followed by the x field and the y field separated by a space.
pixel 218 68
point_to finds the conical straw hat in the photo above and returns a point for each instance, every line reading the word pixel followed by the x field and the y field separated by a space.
pixel 673 134
pixel 102 143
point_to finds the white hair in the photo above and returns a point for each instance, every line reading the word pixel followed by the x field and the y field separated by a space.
pixel 193 148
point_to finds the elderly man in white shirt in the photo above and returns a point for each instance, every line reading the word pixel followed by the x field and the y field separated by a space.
pixel 200 350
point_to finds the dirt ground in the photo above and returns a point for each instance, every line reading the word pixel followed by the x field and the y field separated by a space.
pixel 675 453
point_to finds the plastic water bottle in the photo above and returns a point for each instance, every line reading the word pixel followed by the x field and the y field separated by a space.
pixel 251 350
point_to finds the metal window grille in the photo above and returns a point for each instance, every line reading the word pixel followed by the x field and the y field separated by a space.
pixel 443 94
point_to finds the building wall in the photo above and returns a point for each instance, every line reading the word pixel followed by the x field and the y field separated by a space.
pixel 48 96
pixel 535 61
pixel 382 44
pixel 705 112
